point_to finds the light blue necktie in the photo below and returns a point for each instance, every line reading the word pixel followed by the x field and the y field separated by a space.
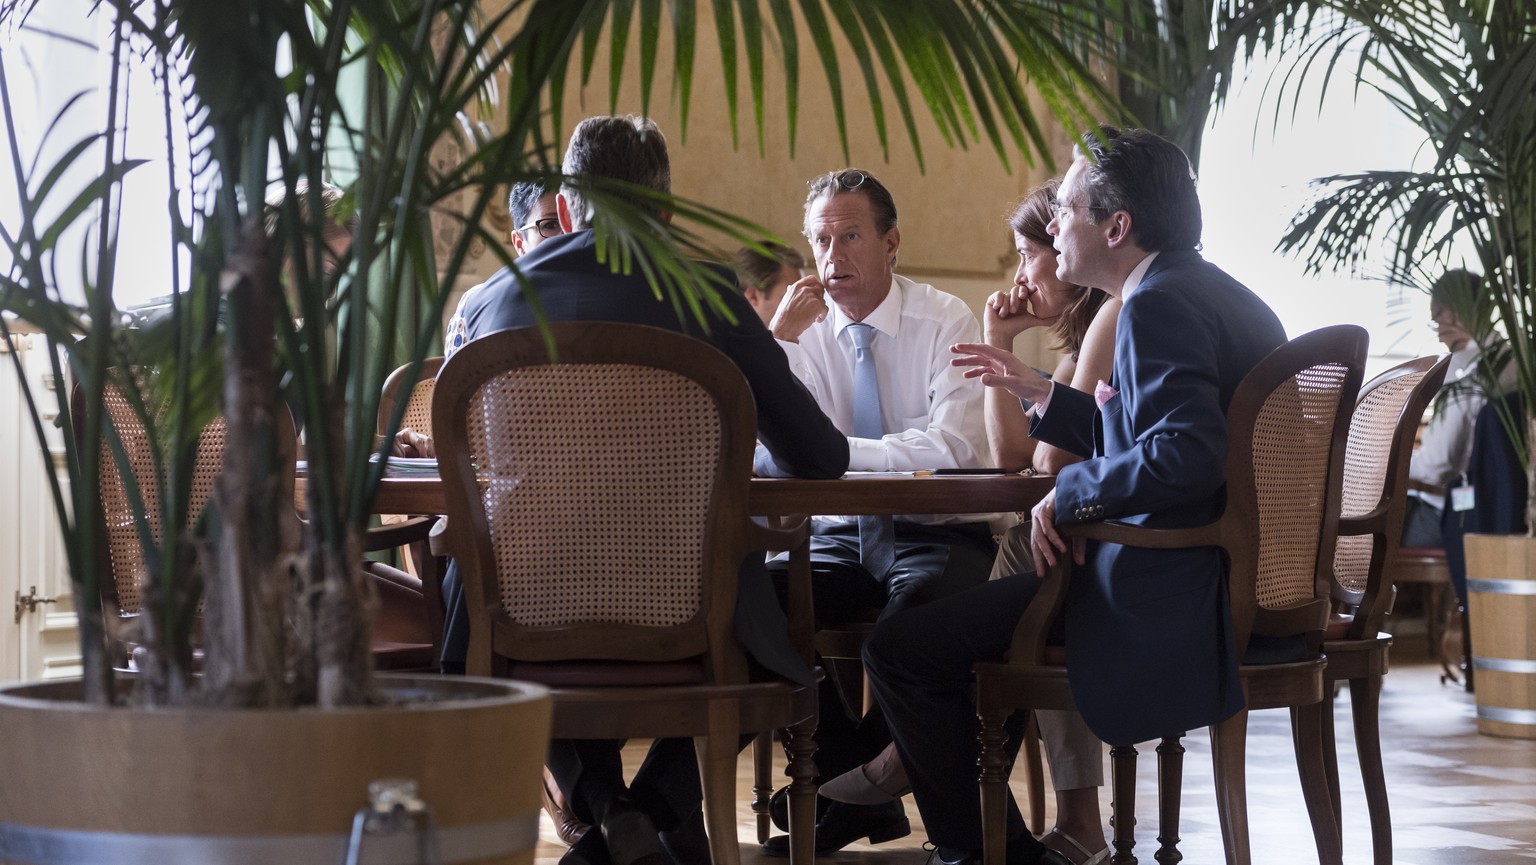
pixel 877 534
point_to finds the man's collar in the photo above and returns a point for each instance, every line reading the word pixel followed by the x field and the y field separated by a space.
pixel 886 317
pixel 1138 273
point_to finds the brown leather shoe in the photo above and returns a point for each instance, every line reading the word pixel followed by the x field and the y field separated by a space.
pixel 567 826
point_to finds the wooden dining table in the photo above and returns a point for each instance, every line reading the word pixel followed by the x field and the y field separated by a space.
pixel 854 493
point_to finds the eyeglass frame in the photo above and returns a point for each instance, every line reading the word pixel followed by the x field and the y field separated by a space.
pixel 534 226
pixel 851 179
pixel 1059 209
pixel 841 180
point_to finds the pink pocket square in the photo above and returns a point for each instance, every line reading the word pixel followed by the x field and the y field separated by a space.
pixel 1102 392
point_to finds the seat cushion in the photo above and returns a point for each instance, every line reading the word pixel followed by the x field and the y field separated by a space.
pixel 608 674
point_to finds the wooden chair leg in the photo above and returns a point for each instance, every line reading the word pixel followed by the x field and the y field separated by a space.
pixel 800 748
pixel 762 782
pixel 1307 723
pixel 1122 806
pixel 1034 776
pixel 1365 706
pixel 993 784
pixel 1229 744
pixel 1170 796
pixel 717 771
pixel 1434 618
pixel 1330 751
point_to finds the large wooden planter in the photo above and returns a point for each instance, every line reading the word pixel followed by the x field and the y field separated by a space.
pixel 1501 611
pixel 85 784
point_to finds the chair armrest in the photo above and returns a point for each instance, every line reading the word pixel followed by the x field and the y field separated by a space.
pixel 1308 616
pixel 1114 532
pixel 397 534
pixel 438 540
pixel 1368 523
pixel 1029 636
pixel 793 532
pixel 794 535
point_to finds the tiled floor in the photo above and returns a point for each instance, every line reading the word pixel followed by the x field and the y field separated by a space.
pixel 1457 798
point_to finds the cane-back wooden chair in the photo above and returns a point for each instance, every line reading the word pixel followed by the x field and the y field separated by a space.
pixel 415 389
pixel 1370 526
pixel 401 627
pixel 127 507
pixel 597 508
pixel 1286 432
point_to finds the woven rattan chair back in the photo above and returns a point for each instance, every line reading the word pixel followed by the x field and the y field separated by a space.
pixel 129 508
pixel 1386 419
pixel 605 493
pixel 1289 422
pixel 416 388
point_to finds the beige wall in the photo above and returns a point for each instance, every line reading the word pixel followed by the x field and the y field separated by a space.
pixel 951 212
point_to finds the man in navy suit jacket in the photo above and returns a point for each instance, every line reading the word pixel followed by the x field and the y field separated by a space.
pixel 1149 645
pixel 573 285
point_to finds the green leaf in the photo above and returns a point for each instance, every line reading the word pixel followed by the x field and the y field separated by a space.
pixel 725 35
pixel 684 29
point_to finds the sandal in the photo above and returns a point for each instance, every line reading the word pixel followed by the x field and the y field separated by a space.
pixel 1098 858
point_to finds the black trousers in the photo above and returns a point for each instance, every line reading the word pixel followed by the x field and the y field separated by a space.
pixel 591 775
pixel 919 665
pixel 931 562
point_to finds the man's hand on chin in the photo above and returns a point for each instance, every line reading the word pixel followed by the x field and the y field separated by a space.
pixel 804 304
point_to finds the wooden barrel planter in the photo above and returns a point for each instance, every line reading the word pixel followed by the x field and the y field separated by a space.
pixel 1501 610
pixel 83 783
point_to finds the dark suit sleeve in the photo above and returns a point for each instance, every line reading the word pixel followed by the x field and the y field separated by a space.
pixel 1068 421
pixel 1166 421
pixel 799 438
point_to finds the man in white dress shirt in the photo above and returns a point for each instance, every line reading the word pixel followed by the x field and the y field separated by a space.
pixel 926 416
pixel 1446 443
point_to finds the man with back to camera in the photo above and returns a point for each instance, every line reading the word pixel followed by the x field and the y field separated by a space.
pixel 873 346
pixel 797 440
pixel 1148 641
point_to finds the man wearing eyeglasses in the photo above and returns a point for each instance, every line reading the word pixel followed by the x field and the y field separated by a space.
pixel 533 212
pixel 873 346
pixel 1148 641
pixel 573 284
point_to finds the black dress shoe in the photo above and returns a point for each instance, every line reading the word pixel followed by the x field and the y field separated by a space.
pixel 630 836
pixel 940 856
pixel 778 808
pixel 589 849
pixel 844 824
pixel 688 844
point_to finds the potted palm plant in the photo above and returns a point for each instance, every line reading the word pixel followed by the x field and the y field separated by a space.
pixel 1465 72
pixel 263 96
